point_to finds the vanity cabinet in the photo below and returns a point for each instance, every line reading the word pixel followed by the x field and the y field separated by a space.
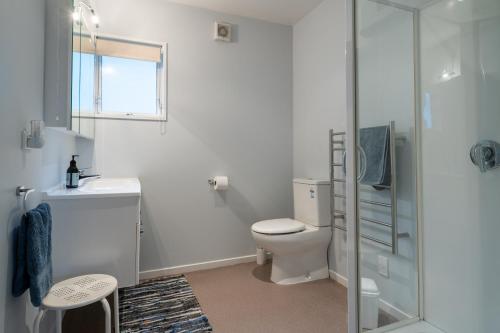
pixel 96 229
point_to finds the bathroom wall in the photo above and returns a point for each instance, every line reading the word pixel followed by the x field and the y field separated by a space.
pixel 460 106
pixel 230 113
pixel 21 100
pixel 319 99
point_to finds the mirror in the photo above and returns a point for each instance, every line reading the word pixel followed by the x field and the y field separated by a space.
pixel 83 65
pixel 70 31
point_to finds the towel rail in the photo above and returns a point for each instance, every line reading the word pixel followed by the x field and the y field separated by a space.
pixel 370 202
pixel 373 239
pixel 24 192
pixel 339 214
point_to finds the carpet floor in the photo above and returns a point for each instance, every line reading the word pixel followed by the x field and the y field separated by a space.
pixel 242 299
pixel 236 299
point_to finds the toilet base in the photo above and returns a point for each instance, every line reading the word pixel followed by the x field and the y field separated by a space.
pixel 261 256
pixel 303 267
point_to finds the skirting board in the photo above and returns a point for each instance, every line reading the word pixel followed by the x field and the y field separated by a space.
pixel 342 280
pixel 393 311
pixel 384 305
pixel 195 267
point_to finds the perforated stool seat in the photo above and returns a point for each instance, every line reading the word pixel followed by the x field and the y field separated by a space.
pixel 78 292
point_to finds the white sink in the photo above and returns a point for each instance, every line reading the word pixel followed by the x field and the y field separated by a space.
pixel 98 188
pixel 101 185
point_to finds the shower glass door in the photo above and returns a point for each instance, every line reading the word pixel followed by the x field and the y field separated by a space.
pixel 427 99
pixel 386 142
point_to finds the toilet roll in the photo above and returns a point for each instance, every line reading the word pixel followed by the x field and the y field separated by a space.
pixel 221 183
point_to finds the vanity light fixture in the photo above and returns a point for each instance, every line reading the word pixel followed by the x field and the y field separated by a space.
pixel 78 11
pixel 95 19
pixel 76 15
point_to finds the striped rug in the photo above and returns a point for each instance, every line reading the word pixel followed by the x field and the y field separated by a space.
pixel 166 305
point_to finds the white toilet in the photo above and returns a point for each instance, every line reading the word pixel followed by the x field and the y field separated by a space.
pixel 299 246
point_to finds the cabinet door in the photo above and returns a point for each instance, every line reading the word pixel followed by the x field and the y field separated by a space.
pixel 69 100
pixel 57 73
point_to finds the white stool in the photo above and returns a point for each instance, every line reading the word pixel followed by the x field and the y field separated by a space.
pixel 78 292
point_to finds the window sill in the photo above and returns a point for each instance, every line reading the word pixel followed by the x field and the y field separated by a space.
pixel 162 118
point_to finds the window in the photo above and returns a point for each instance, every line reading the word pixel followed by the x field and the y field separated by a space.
pixel 83 83
pixel 127 81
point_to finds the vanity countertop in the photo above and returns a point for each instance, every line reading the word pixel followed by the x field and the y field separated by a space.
pixel 96 188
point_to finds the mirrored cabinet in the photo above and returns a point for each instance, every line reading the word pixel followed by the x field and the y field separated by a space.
pixel 71 30
pixel 83 83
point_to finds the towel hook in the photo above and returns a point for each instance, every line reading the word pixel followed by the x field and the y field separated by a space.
pixel 20 191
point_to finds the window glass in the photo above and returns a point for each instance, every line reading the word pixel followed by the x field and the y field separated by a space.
pixel 83 82
pixel 128 86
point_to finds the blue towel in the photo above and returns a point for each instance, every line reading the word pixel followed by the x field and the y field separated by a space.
pixel 375 142
pixel 33 269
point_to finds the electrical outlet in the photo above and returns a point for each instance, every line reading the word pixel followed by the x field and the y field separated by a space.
pixel 383 266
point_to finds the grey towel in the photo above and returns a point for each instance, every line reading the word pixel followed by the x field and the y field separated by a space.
pixel 34 254
pixel 375 142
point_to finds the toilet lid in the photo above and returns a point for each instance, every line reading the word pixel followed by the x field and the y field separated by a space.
pixel 278 227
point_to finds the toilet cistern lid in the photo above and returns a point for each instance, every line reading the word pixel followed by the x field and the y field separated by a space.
pixel 278 227
pixel 369 287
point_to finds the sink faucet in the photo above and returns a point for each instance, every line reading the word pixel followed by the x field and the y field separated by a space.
pixel 83 175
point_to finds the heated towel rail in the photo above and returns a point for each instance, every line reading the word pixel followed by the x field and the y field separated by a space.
pixel 337 144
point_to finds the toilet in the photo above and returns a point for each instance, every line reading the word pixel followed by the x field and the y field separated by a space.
pixel 370 296
pixel 299 246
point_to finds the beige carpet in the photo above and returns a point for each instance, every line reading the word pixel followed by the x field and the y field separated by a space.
pixel 242 299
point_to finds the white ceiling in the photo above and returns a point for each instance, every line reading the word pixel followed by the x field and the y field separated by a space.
pixel 279 11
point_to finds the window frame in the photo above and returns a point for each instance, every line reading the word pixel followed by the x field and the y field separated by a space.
pixel 161 86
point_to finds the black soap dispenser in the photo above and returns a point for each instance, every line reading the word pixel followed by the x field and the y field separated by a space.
pixel 73 174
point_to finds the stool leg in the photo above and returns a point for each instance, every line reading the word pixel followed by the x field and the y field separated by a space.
pixel 59 321
pixel 107 311
pixel 117 312
pixel 38 319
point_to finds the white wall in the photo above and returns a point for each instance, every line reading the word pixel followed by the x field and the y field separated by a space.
pixel 230 113
pixel 319 92
pixel 21 100
pixel 319 99
pixel 461 221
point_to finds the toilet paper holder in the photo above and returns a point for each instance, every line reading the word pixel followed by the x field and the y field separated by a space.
pixel 212 182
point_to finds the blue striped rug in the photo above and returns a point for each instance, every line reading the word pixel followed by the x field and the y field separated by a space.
pixel 166 305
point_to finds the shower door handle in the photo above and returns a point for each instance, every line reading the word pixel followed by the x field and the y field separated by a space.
pixel 485 155
pixel 362 162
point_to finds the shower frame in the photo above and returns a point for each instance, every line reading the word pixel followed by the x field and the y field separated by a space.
pixel 352 202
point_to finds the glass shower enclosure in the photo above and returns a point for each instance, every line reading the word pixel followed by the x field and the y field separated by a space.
pixel 424 226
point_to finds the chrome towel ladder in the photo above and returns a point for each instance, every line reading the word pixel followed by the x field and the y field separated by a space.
pixel 337 144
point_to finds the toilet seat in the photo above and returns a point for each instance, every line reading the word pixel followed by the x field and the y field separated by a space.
pixel 278 227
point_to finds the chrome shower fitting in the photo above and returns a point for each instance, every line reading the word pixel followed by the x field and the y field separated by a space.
pixel 486 155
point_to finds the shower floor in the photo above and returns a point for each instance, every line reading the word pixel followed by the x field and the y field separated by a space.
pixel 420 327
